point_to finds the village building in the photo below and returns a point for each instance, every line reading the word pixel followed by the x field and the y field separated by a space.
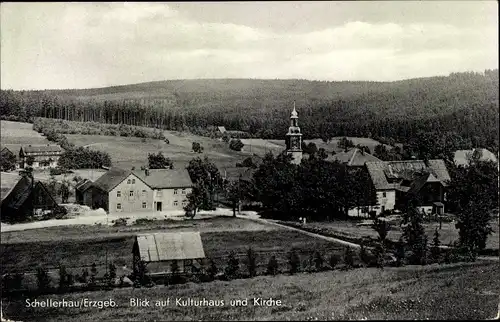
pixel 150 190
pixel 353 158
pixel 7 154
pixel 396 182
pixel 80 189
pixel 26 198
pixel 159 251
pixel 463 157
pixel 42 156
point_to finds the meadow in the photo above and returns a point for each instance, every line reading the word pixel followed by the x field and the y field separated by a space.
pixel 77 247
pixel 16 134
pixel 462 291
pixel 448 232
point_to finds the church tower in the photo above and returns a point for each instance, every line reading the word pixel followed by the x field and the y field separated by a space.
pixel 294 138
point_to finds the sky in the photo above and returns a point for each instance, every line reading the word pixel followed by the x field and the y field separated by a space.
pixel 87 45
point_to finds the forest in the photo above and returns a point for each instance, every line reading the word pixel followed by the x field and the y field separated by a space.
pixel 461 104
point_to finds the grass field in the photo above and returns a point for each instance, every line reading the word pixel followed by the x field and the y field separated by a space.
pixel 448 232
pixel 78 246
pixel 127 151
pixel 455 291
pixel 16 134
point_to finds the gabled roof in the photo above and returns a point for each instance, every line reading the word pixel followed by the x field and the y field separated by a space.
pixel 6 150
pixel 222 129
pixel 20 193
pixel 157 178
pixel 235 173
pixel 111 179
pixel 353 157
pixel 83 185
pixel 42 148
pixel 165 178
pixel 169 246
pixel 419 183
pixel 461 157
pixel 382 172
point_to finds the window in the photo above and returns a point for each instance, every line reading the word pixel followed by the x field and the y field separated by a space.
pixel 118 194
pixel 128 181
pixel 118 206
pixel 384 194
pixel 159 193
pixel 131 193
pixel 184 202
pixel 183 191
pixel 143 192
pixel 143 205
pixel 175 191
pixel 176 203
pixel 133 181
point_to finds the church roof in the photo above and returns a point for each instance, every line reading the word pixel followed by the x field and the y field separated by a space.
pixel 294 113
pixel 353 158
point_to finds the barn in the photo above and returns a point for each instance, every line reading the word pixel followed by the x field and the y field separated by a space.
pixel 159 251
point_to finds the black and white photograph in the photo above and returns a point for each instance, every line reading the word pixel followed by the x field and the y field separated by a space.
pixel 249 161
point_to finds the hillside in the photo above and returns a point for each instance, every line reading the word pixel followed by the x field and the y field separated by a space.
pixel 466 103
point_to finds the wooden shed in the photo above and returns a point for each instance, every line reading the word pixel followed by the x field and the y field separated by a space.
pixel 160 250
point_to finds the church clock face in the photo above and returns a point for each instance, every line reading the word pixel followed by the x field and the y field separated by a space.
pixel 294 142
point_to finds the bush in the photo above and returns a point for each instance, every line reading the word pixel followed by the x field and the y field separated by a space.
pixel 293 261
pixel 233 267
pixel 272 266
pixel 251 263
pixel 236 145
pixel 318 261
pixel 212 269
pixel 12 282
pixel 435 251
pixel 348 258
pixel 42 279
pixel 120 222
pixel 197 148
pixel 333 260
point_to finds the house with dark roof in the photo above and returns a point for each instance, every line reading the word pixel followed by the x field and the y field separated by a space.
pixel 147 190
pixel 7 154
pixel 463 157
pixel 160 250
pixel 26 198
pixel 396 182
pixel 353 158
pixel 42 156
pixel 80 188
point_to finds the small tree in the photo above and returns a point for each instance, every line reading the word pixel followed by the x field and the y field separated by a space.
pixel 251 263
pixel 382 228
pixel 233 266
pixel 159 161
pixel 30 160
pixel 363 255
pixel 236 145
pixel 400 252
pixel 85 275
pixel 63 277
pixel 435 251
pixel 64 191
pixel 112 271
pixel 212 269
pixel 333 260
pixel 93 275
pixel 318 261
pixel 414 235
pixel 43 279
pixel 197 148
pixel 348 258
pixel 293 261
pixel 272 266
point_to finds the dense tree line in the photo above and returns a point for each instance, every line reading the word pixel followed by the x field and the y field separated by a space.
pixel 463 103
pixel 84 158
pixel 315 188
